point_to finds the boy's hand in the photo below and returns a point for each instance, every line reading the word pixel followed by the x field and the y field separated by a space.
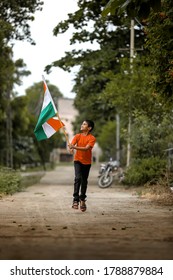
pixel 70 148
pixel 71 151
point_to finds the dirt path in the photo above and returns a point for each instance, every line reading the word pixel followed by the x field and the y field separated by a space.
pixel 39 223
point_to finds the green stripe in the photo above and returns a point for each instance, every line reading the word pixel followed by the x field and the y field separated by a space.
pixel 40 134
pixel 47 113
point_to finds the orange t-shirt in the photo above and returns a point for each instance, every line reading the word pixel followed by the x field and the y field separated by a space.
pixel 85 157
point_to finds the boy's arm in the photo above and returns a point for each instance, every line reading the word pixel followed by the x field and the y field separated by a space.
pixel 70 145
pixel 87 147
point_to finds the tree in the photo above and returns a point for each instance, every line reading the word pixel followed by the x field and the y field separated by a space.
pixel 133 8
pixel 157 18
pixel 107 140
pixel 35 96
pixel 112 37
pixel 151 135
pixel 14 18
pixel 160 44
pixel 22 144
pixel 151 122
pixel 10 73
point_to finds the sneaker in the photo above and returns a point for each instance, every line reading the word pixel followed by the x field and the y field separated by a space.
pixel 75 204
pixel 83 206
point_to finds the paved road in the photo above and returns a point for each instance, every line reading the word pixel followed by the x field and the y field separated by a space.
pixel 39 223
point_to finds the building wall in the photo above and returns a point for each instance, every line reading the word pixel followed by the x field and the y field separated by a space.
pixel 67 114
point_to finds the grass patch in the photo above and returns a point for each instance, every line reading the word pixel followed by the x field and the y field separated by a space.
pixel 161 193
pixel 30 179
pixel 11 181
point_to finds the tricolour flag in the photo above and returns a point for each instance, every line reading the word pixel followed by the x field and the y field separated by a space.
pixel 48 122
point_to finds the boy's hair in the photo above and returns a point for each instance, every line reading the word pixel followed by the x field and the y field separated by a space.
pixel 90 124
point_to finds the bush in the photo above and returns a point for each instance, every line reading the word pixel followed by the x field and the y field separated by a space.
pixel 143 171
pixel 9 181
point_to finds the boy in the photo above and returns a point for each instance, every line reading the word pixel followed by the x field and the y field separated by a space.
pixel 83 144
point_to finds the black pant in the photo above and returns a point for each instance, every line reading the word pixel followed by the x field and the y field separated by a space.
pixel 81 180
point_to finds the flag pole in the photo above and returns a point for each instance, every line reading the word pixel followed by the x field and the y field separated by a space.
pixel 65 133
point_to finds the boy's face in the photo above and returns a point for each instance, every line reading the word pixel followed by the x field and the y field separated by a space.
pixel 85 127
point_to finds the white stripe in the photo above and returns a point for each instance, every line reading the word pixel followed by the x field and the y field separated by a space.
pixel 47 100
pixel 47 97
pixel 48 129
pixel 55 118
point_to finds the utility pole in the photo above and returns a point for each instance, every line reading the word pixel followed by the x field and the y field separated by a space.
pixel 118 138
pixel 9 137
pixel 132 43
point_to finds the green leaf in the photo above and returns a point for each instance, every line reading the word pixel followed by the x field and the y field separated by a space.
pixel 131 10
pixel 111 7
pixel 124 6
pixel 144 10
pixel 156 5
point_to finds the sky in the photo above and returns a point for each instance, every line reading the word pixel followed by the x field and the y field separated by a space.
pixel 48 47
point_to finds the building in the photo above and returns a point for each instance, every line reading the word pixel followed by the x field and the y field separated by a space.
pixel 67 113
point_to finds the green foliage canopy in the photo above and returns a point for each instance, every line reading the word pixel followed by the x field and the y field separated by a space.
pixel 157 18
pixel 14 18
pixel 111 36
pixel 138 8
